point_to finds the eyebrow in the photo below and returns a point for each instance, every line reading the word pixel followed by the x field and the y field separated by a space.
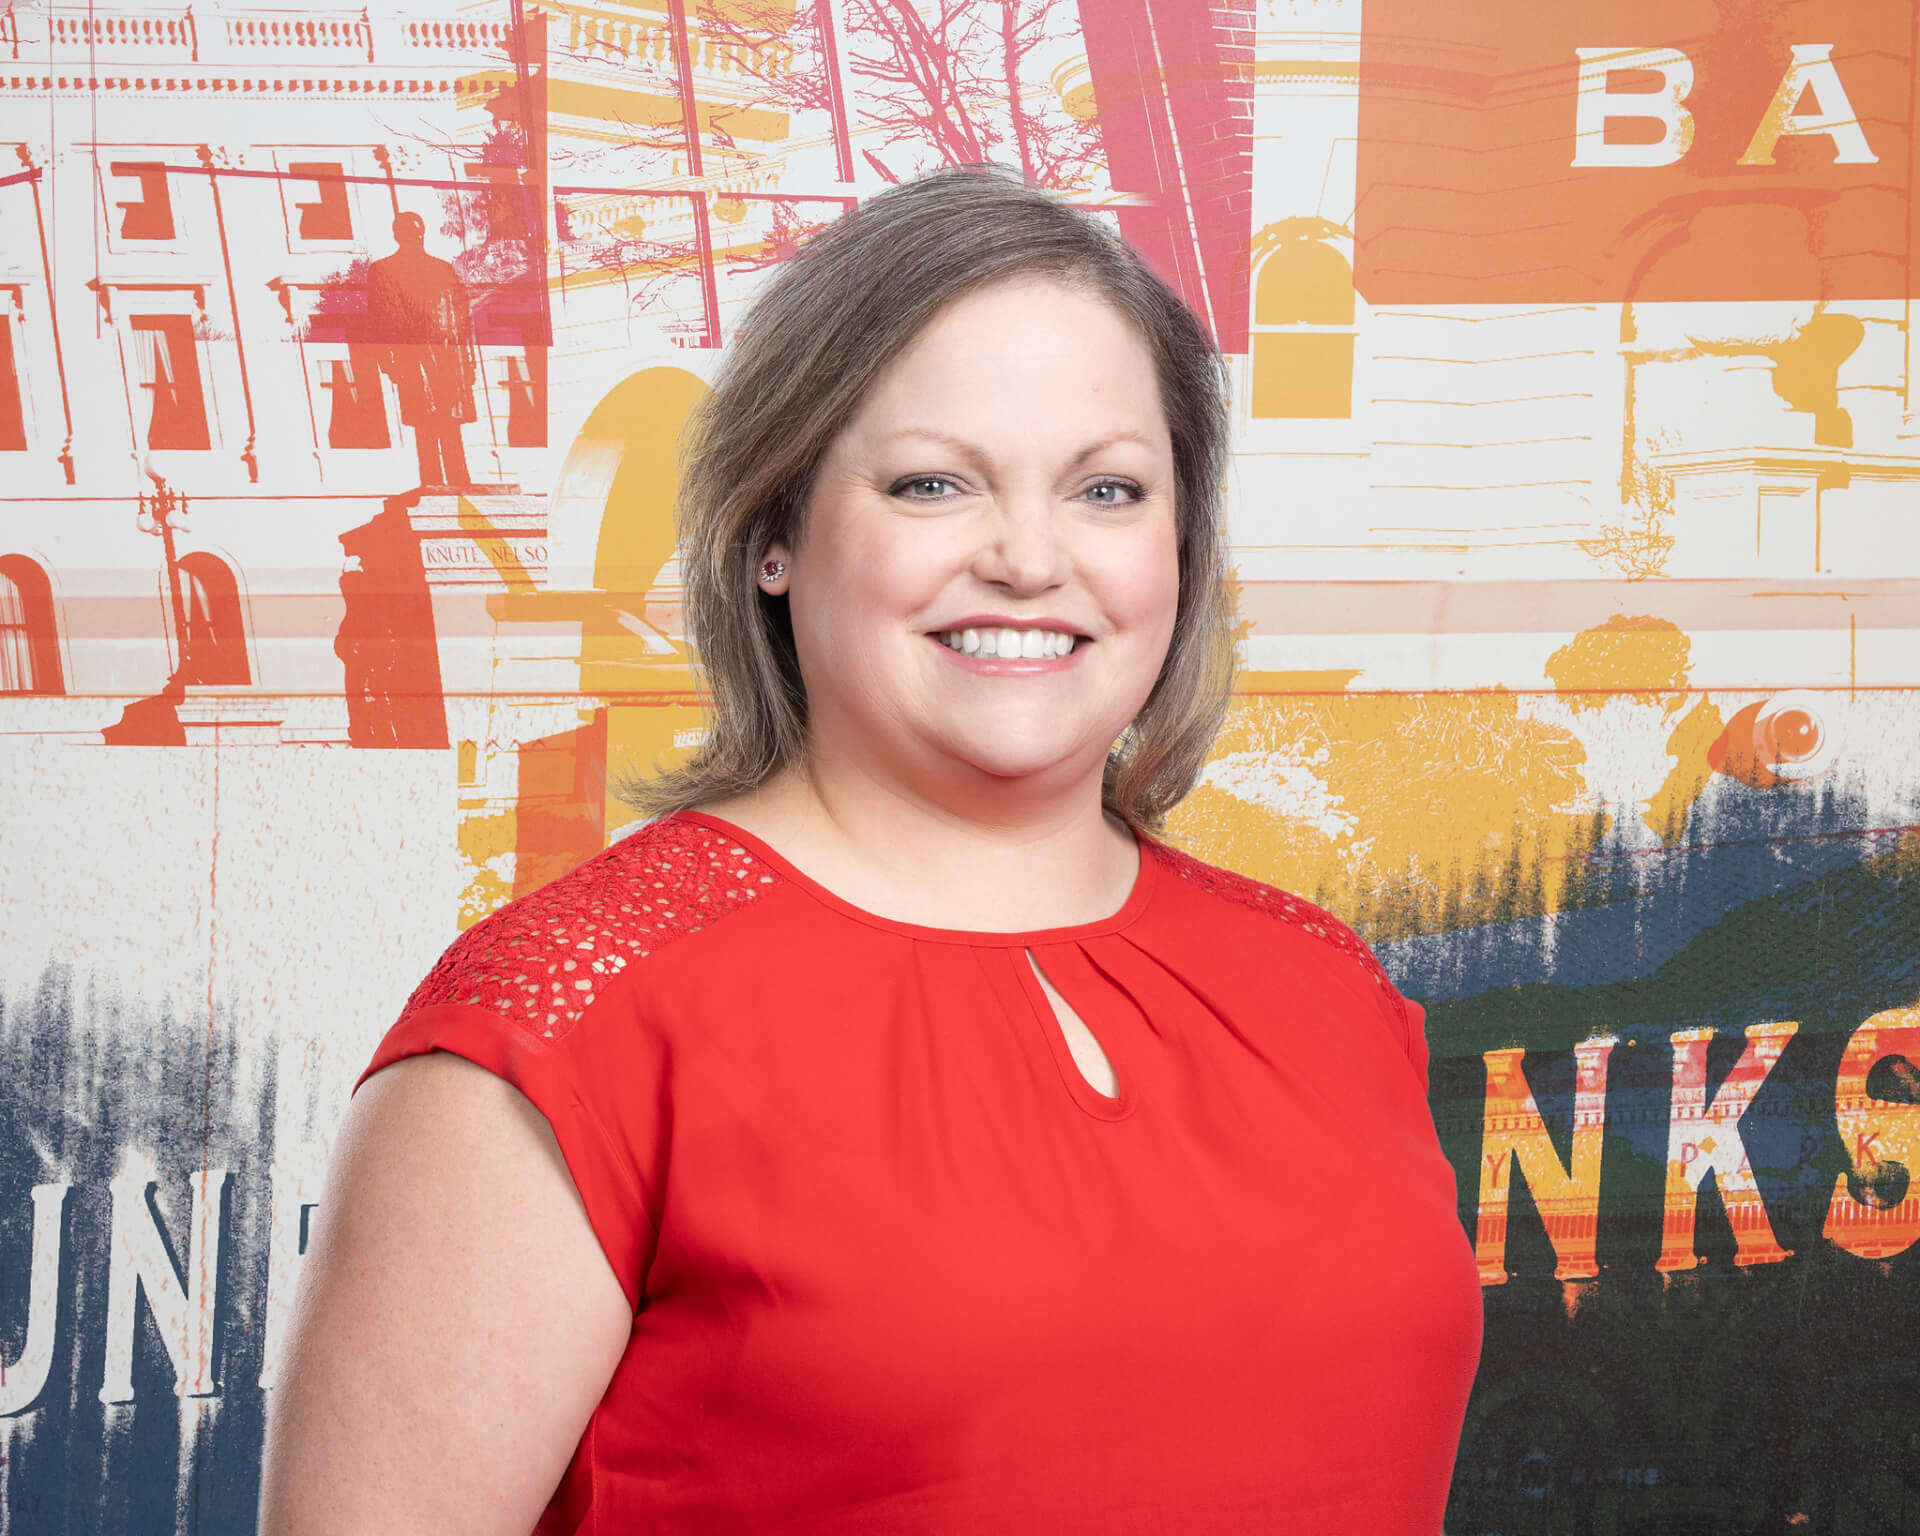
pixel 979 455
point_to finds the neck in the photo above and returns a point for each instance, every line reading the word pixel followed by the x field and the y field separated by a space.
pixel 1006 864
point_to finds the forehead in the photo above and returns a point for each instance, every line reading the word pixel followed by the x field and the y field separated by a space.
pixel 1027 309
pixel 1026 354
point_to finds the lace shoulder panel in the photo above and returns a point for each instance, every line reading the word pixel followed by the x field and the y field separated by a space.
pixel 1282 906
pixel 544 958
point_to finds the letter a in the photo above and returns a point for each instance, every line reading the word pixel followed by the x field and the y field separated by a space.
pixel 1811 66
pixel 1595 106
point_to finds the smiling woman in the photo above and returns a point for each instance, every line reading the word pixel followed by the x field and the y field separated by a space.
pixel 873 368
pixel 1051 493
pixel 894 1134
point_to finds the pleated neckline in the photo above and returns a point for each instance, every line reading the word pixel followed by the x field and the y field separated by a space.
pixel 1130 909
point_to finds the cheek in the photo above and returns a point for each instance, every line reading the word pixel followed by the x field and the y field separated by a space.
pixel 1146 587
pixel 868 590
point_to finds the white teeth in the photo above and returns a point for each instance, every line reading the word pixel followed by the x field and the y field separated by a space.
pixel 1035 644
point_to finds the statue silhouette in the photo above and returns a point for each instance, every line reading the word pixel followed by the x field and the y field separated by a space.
pixel 422 334
pixel 386 641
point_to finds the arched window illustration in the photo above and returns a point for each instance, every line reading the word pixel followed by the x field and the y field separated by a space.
pixel 523 378
pixel 216 640
pixel 1302 322
pixel 29 644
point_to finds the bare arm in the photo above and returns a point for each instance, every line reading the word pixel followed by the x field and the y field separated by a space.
pixel 456 1321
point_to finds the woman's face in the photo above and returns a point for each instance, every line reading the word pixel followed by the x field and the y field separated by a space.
pixel 1009 473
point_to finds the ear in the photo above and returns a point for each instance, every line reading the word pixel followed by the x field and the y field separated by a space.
pixel 776 550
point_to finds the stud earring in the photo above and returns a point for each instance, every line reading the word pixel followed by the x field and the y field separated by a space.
pixel 772 570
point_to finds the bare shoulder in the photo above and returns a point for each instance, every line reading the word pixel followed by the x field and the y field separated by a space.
pixel 455 1322
pixel 457 1319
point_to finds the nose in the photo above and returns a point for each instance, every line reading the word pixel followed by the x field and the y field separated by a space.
pixel 1022 548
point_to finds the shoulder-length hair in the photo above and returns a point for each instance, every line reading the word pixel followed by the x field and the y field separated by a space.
pixel 825 325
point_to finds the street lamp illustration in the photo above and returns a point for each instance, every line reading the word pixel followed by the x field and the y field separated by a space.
pixel 161 511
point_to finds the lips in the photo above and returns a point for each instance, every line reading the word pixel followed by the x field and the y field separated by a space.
pixel 1009 644
pixel 1017 664
pixel 1011 621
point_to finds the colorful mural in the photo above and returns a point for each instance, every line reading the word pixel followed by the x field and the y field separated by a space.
pixel 1575 524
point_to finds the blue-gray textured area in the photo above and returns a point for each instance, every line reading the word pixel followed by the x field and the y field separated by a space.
pixel 1638 907
pixel 85 1075
pixel 1734 1397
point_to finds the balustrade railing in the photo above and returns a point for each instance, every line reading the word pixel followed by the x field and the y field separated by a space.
pixel 639 43
pixel 332 31
pixel 144 31
pixel 245 36
pixel 647 43
pixel 454 32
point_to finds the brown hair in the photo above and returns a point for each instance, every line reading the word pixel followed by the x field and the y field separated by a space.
pixel 827 322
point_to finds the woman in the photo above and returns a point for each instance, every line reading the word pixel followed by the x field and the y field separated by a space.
pixel 893 1135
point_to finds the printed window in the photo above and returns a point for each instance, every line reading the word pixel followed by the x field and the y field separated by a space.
pixel 523 377
pixel 328 215
pixel 357 415
pixel 1303 328
pixel 169 367
pixel 13 415
pixel 149 216
pixel 29 644
pixel 216 640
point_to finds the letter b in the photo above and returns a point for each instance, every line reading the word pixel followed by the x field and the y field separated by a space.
pixel 1597 105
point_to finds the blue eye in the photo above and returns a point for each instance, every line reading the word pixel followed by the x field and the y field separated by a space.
pixel 1135 491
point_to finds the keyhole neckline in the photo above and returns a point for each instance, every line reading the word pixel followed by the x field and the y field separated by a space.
pixel 1129 910
pixel 1115 1106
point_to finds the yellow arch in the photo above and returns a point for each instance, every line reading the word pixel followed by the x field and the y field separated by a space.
pixel 618 482
pixel 1304 282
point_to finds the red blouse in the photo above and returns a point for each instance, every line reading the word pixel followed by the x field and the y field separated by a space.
pixel 897 1266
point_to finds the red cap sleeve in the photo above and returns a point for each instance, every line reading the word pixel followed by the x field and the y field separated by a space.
pixel 1416 1017
pixel 540 993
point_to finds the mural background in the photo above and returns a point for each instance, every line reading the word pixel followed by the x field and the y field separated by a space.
pixel 1575 515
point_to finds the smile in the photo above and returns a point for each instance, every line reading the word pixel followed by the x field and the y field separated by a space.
pixel 1008 644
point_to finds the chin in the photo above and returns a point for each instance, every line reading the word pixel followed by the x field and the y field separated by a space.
pixel 1017 744
pixel 1016 764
